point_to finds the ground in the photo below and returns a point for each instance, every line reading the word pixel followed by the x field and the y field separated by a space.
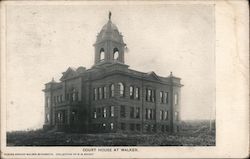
pixel 196 133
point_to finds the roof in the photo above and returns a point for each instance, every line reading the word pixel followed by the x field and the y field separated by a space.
pixel 109 32
pixel 72 72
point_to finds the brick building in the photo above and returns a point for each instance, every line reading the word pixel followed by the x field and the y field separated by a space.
pixel 111 97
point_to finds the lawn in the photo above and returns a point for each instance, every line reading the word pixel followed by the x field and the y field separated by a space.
pixel 192 134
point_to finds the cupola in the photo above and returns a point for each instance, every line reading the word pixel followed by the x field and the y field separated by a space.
pixel 109 45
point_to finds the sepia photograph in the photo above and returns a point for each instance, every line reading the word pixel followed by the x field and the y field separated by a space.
pixel 119 75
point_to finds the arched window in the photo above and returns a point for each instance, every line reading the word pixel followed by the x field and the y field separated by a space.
pixel 102 54
pixel 112 90
pixel 115 54
pixel 121 89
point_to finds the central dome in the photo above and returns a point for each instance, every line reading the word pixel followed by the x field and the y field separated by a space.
pixel 110 26
pixel 109 32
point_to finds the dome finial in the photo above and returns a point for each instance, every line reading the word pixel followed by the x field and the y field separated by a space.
pixel 110 15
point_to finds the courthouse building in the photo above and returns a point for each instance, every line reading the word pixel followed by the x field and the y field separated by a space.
pixel 111 97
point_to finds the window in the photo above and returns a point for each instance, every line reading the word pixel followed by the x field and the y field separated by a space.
pixel 131 92
pixel 57 99
pixel 102 54
pixel 132 111
pixel 94 114
pixel 176 98
pixel 115 54
pixel 150 114
pixel 147 127
pixel 167 128
pixel 104 125
pixel 104 112
pixel 138 127
pixel 61 117
pixel 61 98
pixel 112 111
pixel 104 93
pixel 137 113
pixel 161 97
pixel 161 115
pixel 153 128
pixel 177 128
pixel 47 118
pixel 162 128
pixel 67 97
pixel 111 126
pixel 112 90
pixel 99 93
pixel 95 94
pixel 99 112
pixel 76 96
pixel 132 127
pixel 176 116
pixel 74 116
pixel 47 102
pixel 123 126
pixel 166 115
pixel 137 93
pixel 153 96
pixel 166 97
pixel 54 100
pixel 149 95
pixel 123 111
pixel 73 96
pixel 121 89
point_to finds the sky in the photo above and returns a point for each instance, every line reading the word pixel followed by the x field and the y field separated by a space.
pixel 44 40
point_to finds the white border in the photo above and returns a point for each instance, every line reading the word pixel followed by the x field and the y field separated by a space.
pixel 232 111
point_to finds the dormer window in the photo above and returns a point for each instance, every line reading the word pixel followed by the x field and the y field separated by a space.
pixel 102 54
pixel 115 54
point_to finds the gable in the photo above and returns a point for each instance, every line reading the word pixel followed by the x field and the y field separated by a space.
pixel 152 75
pixel 68 74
